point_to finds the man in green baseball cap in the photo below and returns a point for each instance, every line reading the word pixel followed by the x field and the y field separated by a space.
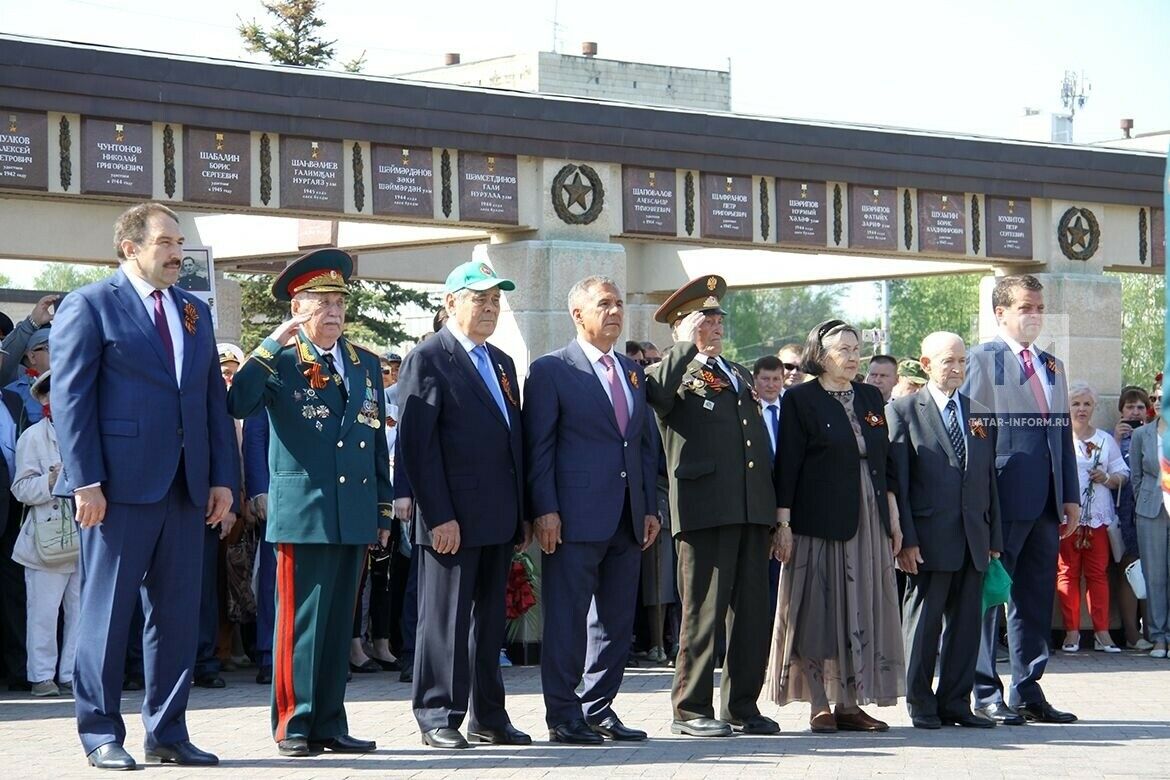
pixel 476 276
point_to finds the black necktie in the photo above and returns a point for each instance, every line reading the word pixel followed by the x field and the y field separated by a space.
pixel 328 358
pixel 955 431
pixel 718 371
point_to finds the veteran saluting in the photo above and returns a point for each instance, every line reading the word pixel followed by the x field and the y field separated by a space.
pixel 329 496
pixel 721 490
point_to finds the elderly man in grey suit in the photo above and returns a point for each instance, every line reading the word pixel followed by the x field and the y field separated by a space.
pixel 944 449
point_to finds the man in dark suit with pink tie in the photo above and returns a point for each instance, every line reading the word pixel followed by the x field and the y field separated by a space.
pixel 150 455
pixel 591 475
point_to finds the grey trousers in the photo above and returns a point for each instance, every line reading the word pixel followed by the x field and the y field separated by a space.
pixel 1154 546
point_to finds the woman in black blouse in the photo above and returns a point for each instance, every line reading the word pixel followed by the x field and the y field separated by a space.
pixel 837 636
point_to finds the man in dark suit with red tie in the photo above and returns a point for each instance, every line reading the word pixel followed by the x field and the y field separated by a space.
pixel 591 467
pixel 1027 390
pixel 943 447
pixel 149 455
pixel 462 443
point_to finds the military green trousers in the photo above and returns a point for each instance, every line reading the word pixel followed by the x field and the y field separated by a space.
pixel 316 593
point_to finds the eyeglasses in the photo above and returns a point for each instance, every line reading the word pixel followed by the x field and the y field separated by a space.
pixel 790 366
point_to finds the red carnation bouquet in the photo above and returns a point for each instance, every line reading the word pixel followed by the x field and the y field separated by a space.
pixel 520 596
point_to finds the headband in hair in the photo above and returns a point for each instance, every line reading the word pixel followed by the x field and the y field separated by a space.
pixel 825 328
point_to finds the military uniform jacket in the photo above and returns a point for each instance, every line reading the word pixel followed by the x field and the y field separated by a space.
pixel 717 450
pixel 328 462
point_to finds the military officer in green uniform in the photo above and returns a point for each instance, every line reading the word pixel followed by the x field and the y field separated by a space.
pixel 329 498
pixel 722 494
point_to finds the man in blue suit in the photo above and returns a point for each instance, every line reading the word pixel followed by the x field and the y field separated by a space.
pixel 462 445
pixel 255 455
pixel 150 455
pixel 591 468
pixel 1026 389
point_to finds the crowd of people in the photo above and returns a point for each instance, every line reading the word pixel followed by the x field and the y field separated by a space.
pixel 667 491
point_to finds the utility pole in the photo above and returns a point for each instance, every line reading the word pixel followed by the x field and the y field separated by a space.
pixel 885 293
pixel 1074 91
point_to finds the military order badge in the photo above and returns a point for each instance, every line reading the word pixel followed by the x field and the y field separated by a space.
pixel 369 412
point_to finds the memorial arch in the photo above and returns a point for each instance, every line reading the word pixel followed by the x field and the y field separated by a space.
pixel 262 162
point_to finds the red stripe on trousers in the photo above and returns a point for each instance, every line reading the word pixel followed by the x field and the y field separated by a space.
pixel 283 652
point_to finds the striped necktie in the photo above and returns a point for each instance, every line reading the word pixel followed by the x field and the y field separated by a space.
pixel 955 431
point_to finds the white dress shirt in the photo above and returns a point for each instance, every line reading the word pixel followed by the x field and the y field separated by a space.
pixel 1041 370
pixel 145 292
pixel 338 360
pixel 594 355
pixel 941 400
pixel 768 418
pixel 701 359
pixel 469 345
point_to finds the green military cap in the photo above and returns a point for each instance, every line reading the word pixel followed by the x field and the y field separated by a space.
pixel 322 270
pixel 912 370
pixel 476 276
pixel 702 294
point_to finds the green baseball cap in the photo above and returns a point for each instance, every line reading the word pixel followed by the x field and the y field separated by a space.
pixel 476 276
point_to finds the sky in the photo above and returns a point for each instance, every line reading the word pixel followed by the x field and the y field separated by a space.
pixel 967 67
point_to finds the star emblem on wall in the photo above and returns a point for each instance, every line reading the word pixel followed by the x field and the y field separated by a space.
pixel 578 194
pixel 1078 233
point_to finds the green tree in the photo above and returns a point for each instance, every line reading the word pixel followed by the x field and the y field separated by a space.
pixel 295 37
pixel 5 280
pixel 759 322
pixel 63 277
pixel 923 305
pixel 1143 340
pixel 370 318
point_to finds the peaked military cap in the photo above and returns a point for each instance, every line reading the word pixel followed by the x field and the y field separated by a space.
pixel 703 294
pixel 322 270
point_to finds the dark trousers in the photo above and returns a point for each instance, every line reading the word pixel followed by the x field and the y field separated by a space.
pixel 139 549
pixel 265 600
pixel 363 580
pixel 1029 555
pixel 460 631
pixel 947 604
pixel 589 591
pixel 410 605
pixel 722 574
pixel 206 660
pixel 13 611
pixel 316 585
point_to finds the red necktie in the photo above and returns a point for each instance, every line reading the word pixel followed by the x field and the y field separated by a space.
pixel 1033 380
pixel 617 394
pixel 160 324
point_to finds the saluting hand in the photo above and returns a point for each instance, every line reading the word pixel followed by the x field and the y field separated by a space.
pixel 445 538
pixel 690 325
pixel 287 330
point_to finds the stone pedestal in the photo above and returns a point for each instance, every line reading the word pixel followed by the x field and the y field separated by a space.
pixel 1082 326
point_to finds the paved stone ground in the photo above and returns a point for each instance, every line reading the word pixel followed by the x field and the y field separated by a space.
pixel 1124 731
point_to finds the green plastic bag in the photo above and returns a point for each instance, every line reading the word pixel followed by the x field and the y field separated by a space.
pixel 997 585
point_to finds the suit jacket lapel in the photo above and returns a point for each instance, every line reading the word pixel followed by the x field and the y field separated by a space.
pixel 127 296
pixel 575 357
pixel 631 370
pixel 189 340
pixel 463 364
pixel 929 413
pixel 356 375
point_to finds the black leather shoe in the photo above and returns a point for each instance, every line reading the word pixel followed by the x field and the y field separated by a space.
pixel 701 727
pixel 574 732
pixel 370 666
pixel 928 721
pixel 210 681
pixel 1001 713
pixel 264 675
pixel 343 743
pixel 968 720
pixel 181 753
pixel 388 666
pixel 613 728
pixel 111 756
pixel 508 735
pixel 756 724
pixel 445 738
pixel 133 682
pixel 293 747
pixel 1045 713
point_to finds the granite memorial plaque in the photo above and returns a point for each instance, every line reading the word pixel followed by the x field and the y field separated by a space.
pixel 312 176
pixel 942 222
pixel 1157 238
pixel 726 206
pixel 217 167
pixel 873 217
pixel 403 181
pixel 1009 227
pixel 802 212
pixel 488 190
pixel 116 158
pixel 24 150
pixel 649 201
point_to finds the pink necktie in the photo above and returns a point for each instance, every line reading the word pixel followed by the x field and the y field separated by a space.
pixel 617 394
pixel 1034 382
pixel 160 324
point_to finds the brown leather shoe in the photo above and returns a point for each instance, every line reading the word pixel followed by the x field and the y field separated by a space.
pixel 823 723
pixel 858 721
